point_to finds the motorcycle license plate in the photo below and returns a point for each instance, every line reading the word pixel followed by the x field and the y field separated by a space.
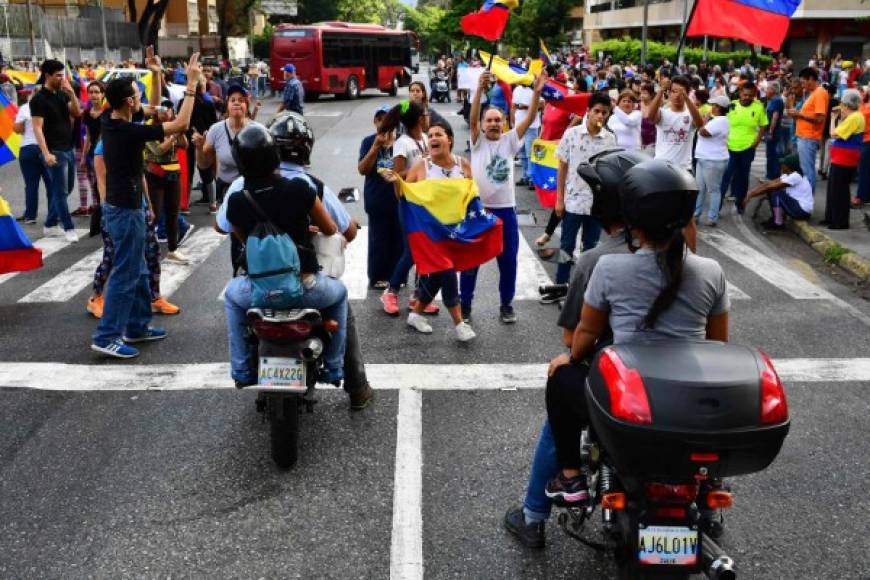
pixel 282 372
pixel 668 545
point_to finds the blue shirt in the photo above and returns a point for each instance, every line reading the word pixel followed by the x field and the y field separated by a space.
pixel 330 201
pixel 775 105
pixel 378 195
pixel 293 96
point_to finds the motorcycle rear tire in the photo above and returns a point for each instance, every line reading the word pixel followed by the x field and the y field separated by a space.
pixel 284 430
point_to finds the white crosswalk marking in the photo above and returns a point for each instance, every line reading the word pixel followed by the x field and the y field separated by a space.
pixel 767 268
pixel 356 277
pixel 530 273
pixel 735 293
pixel 49 245
pixel 69 282
pixel 198 248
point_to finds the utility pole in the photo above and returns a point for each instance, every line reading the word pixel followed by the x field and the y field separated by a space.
pixel 103 30
pixel 680 59
pixel 644 33
pixel 30 29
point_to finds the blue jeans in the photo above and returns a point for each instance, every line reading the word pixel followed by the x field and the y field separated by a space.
pixel 545 466
pixel 58 190
pixel 127 310
pixel 864 174
pixel 32 169
pixel 790 206
pixel 774 152
pixel 327 295
pixel 571 224
pixel 404 263
pixel 807 150
pixel 507 260
pixel 737 175
pixel 709 174
pixel 526 152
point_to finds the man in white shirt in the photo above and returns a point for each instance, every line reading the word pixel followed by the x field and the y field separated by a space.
pixel 492 165
pixel 521 102
pixel 790 195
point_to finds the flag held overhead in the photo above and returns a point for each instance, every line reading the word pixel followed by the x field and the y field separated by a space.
pixel 490 21
pixel 763 22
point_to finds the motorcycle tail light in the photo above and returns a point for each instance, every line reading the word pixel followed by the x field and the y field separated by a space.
pixel 774 407
pixel 278 331
pixel 719 499
pixel 670 512
pixel 628 400
pixel 613 501
pixel 704 457
pixel 670 493
pixel 330 325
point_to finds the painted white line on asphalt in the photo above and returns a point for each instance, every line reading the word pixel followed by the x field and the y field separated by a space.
pixel 69 282
pixel 735 293
pixel 49 245
pixel 356 278
pixel 325 114
pixel 434 377
pixel 198 248
pixel 406 550
pixel 767 268
pixel 530 273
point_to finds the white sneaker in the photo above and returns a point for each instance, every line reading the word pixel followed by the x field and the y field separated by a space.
pixel 177 257
pixel 418 323
pixel 464 332
pixel 52 231
pixel 71 236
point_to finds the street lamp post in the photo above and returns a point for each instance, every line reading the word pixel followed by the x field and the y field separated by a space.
pixel 30 30
pixel 644 32
pixel 103 30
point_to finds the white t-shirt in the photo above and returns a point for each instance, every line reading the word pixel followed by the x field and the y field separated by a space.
pixel 23 116
pixel 674 137
pixel 799 190
pixel 714 147
pixel 523 96
pixel 626 128
pixel 411 150
pixel 492 165
pixel 576 147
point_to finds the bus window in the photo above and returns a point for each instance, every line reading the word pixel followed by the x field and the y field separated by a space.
pixel 295 33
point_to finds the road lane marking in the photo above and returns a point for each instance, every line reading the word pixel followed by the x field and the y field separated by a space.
pixel 69 282
pixel 325 114
pixel 735 293
pixel 530 273
pixel 49 245
pixel 423 377
pixel 767 268
pixel 406 549
pixel 356 277
pixel 197 249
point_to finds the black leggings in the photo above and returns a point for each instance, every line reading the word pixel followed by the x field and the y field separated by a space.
pixel 552 223
pixel 165 196
pixel 567 412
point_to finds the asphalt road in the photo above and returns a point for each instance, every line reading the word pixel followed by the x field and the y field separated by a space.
pixel 179 483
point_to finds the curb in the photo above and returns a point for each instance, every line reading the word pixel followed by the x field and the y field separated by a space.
pixel 851 262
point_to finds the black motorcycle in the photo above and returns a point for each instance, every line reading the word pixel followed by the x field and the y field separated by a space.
pixel 668 421
pixel 289 355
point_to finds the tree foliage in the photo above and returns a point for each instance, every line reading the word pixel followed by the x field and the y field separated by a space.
pixel 628 50
pixel 427 23
pixel 317 11
pixel 360 10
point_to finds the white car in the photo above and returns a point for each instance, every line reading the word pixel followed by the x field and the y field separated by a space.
pixel 176 92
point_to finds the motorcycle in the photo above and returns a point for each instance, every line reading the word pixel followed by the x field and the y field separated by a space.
pixel 289 354
pixel 668 421
pixel 440 87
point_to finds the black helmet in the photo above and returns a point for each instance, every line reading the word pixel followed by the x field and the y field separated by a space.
pixel 254 152
pixel 605 172
pixel 658 197
pixel 294 137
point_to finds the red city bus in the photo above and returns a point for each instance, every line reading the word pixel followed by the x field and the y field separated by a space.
pixel 342 58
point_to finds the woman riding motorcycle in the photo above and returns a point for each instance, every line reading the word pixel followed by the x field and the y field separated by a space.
pixel 660 291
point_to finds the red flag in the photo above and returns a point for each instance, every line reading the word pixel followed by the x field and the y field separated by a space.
pixel 763 22
pixel 488 22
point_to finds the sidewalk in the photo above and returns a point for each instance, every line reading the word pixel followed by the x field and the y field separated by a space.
pixel 849 249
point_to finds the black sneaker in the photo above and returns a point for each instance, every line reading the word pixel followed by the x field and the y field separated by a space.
pixel 507 315
pixel 466 313
pixel 552 297
pixel 361 398
pixel 529 535
pixel 773 227
pixel 572 491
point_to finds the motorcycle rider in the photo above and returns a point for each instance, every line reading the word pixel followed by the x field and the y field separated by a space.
pixel 292 205
pixel 658 292
pixel 295 141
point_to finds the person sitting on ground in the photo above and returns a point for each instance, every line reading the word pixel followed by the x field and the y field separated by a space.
pixel 789 194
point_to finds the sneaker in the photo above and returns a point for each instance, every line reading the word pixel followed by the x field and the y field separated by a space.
pixel 163 306
pixel 151 334
pixel 116 349
pixel 529 535
pixel 522 181
pixel 431 309
pixel 95 305
pixel 568 490
pixel 464 332
pixel 552 297
pixel 419 323
pixel 54 231
pixel 184 234
pixel 71 236
pixel 177 257
pixel 361 398
pixel 25 219
pixel 466 312
pixel 390 300
pixel 80 212
pixel 772 227
pixel 245 383
pixel 508 316
pixel 161 238
pixel 330 376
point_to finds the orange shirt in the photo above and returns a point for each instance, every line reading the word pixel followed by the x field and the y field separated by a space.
pixel 866 111
pixel 816 104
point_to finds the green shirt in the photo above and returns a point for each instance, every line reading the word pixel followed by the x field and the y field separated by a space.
pixel 744 124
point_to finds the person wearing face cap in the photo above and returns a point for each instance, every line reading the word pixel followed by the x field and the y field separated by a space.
pixel 294 94
pixel 386 241
pixel 711 154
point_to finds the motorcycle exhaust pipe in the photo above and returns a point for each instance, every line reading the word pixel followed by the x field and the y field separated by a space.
pixel 311 349
pixel 716 563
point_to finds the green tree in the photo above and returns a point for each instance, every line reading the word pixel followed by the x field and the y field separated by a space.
pixel 317 11
pixel 360 10
pixel 427 23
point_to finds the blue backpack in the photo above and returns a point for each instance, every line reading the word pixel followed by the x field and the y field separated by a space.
pixel 273 264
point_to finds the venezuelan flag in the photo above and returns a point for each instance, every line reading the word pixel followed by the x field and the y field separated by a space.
pixel 544 168
pixel 490 21
pixel 763 22
pixel 11 141
pixel 558 95
pixel 511 74
pixel 447 225
pixel 16 252
pixel 545 54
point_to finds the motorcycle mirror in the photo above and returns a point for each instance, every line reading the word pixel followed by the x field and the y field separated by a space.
pixel 349 195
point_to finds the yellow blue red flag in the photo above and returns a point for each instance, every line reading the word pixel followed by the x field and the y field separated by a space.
pixel 512 74
pixel 544 169
pixel 16 252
